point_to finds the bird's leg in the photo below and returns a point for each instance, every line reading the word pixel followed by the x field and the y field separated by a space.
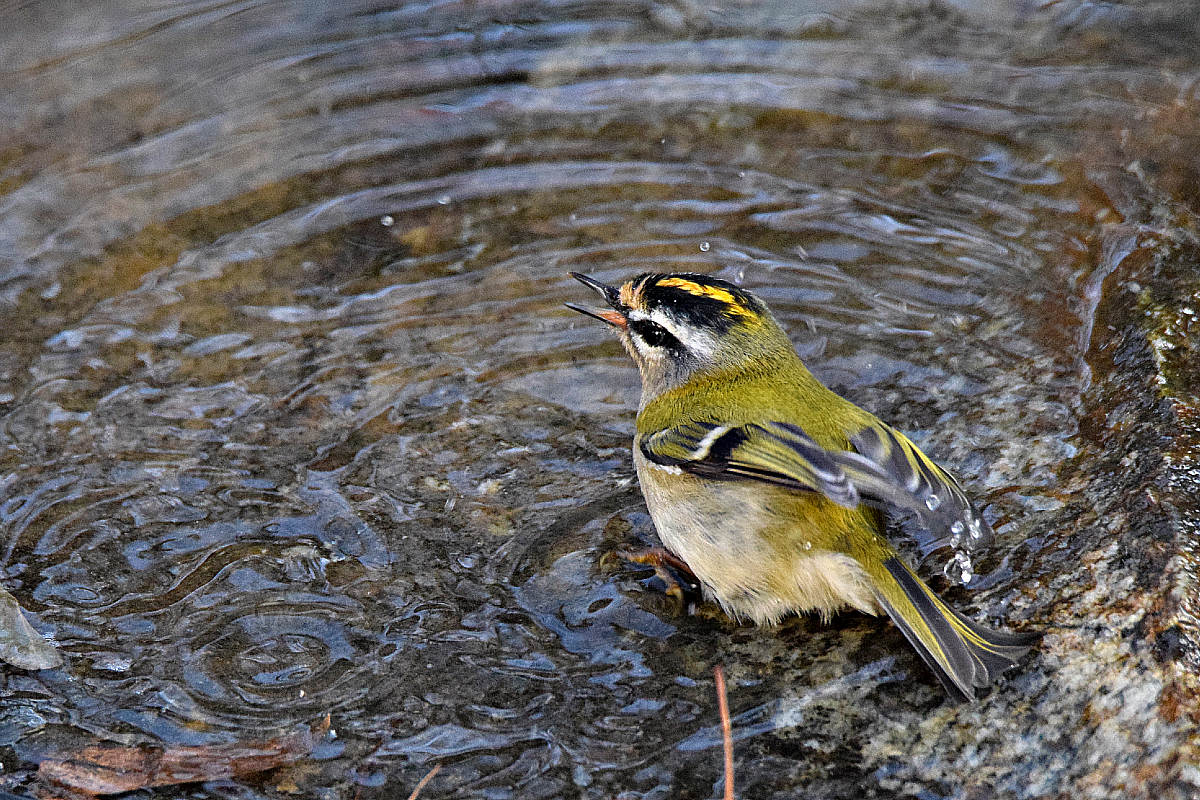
pixel 669 568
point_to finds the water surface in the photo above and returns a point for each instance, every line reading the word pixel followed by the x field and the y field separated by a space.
pixel 293 420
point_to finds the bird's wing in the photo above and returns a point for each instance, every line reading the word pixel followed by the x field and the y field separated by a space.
pixel 775 452
pixel 884 468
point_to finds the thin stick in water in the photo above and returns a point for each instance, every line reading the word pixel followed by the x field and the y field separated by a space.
pixel 428 777
pixel 726 729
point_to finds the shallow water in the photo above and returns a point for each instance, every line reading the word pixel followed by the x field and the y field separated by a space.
pixel 294 420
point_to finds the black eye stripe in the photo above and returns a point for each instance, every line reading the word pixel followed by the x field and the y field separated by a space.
pixel 652 333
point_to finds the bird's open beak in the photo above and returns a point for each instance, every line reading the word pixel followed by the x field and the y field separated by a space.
pixel 616 316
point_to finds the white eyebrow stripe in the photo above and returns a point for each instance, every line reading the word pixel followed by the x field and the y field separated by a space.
pixel 693 339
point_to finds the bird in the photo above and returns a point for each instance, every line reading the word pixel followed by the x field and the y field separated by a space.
pixel 770 489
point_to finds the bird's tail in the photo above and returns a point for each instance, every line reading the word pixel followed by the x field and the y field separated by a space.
pixel 964 654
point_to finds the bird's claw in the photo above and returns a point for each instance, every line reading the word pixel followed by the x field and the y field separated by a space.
pixel 682 585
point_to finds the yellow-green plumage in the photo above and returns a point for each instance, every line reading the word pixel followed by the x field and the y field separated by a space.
pixel 755 475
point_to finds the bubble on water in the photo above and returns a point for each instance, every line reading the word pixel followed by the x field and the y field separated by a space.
pixel 387 220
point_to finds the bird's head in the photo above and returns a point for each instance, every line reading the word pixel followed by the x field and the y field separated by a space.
pixel 676 325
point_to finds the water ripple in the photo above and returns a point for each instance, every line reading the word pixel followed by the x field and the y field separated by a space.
pixel 292 418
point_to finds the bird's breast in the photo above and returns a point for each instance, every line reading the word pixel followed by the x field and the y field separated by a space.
pixel 760 550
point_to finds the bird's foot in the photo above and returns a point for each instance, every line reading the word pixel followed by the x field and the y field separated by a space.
pixel 682 585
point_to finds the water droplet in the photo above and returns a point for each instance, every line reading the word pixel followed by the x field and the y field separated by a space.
pixel 957 528
pixel 808 545
pixel 932 502
pixel 387 220
pixel 976 528
pixel 444 200
pixel 704 247
pixel 959 568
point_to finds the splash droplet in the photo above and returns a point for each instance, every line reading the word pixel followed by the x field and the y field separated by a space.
pixel 704 247
pixel 959 568
pixel 932 502
pixel 387 220
pixel 957 528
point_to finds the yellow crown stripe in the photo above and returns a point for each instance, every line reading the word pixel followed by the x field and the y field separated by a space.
pixel 712 292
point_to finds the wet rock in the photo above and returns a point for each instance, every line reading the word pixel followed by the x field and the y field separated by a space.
pixel 21 645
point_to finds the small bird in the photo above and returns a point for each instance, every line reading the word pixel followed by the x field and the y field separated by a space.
pixel 767 487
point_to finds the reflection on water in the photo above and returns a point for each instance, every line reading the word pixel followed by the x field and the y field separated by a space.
pixel 293 420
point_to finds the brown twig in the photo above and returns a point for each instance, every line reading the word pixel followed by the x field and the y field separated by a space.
pixel 726 729
pixel 424 781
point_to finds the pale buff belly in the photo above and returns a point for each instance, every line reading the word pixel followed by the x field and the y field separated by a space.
pixel 757 565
